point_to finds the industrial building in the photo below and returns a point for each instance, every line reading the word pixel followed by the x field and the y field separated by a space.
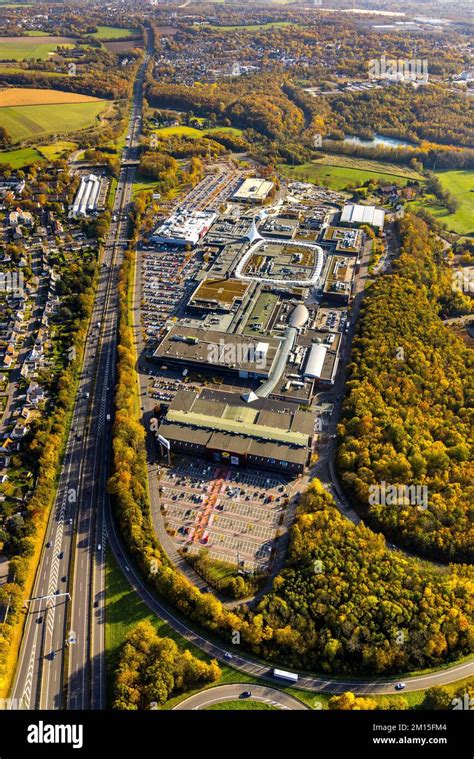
pixel 339 280
pixel 223 294
pixel 321 364
pixel 87 196
pixel 358 214
pixel 253 190
pixel 265 435
pixel 184 228
pixel 209 350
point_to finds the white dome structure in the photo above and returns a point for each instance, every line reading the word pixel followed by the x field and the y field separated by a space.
pixel 299 316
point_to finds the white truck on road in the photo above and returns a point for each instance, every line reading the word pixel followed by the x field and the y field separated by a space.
pixel 281 674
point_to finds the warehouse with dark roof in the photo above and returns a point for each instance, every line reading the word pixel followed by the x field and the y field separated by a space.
pixel 265 435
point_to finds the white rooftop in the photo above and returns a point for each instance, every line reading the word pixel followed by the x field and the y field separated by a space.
pixel 358 214
pixel 253 189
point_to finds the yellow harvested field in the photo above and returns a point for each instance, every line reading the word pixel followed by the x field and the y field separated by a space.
pixel 15 96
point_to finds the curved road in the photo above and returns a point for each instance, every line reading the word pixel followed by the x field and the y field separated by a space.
pixel 222 693
pixel 249 666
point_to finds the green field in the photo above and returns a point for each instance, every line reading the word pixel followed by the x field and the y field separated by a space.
pixel 369 164
pixel 18 70
pixel 26 121
pixel 112 33
pixel 461 185
pixel 229 130
pixel 144 184
pixel 186 131
pixel 181 131
pixel 337 177
pixel 124 610
pixel 57 149
pixel 240 706
pixel 23 48
pixel 17 159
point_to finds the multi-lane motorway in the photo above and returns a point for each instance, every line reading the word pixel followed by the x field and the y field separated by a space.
pixel 62 658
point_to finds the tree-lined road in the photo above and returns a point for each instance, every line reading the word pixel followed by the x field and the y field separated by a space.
pixel 62 658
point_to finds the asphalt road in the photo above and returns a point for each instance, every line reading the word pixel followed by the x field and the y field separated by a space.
pixel 62 657
pixel 248 666
pixel 222 693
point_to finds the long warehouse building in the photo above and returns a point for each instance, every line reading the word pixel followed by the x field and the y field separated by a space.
pixel 87 195
pixel 264 435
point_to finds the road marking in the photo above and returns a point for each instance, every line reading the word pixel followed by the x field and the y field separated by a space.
pixel 26 697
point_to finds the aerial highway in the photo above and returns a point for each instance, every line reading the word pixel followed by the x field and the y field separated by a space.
pixel 62 657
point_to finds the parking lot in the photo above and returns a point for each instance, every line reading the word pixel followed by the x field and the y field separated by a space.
pixel 213 190
pixel 234 514
pixel 163 388
pixel 166 277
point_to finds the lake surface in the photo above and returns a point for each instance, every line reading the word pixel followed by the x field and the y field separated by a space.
pixel 378 139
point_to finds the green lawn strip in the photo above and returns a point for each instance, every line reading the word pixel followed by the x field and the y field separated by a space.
pixel 17 159
pixel 24 122
pixel 240 706
pixel 337 177
pixel 124 609
pixel 112 191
